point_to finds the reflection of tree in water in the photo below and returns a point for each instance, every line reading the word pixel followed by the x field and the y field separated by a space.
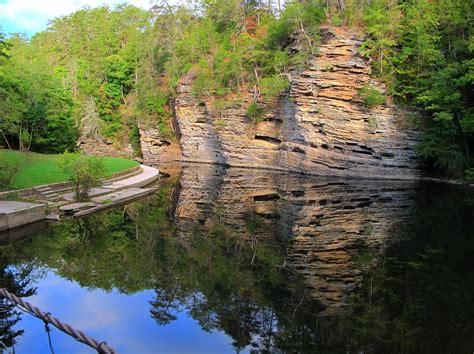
pixel 214 275
pixel 225 285
pixel 416 297
pixel 17 281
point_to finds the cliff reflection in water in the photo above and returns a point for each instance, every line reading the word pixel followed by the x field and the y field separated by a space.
pixel 328 227
pixel 283 262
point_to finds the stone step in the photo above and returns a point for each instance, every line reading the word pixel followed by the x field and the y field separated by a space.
pixel 56 198
pixel 50 193
pixel 58 191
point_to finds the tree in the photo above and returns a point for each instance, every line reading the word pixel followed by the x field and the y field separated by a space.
pixel 85 172
pixel 36 108
pixel 3 46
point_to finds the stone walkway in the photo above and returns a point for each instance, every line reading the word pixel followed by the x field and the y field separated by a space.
pixel 147 176
pixel 116 193
pixel 113 194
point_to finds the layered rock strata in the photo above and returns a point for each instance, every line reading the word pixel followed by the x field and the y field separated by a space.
pixel 320 126
pixel 159 151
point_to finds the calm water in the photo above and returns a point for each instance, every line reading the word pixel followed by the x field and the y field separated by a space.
pixel 237 260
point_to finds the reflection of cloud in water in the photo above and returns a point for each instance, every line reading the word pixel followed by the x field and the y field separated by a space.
pixel 123 321
pixel 105 313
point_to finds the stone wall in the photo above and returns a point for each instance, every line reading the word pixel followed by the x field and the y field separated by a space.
pixel 319 127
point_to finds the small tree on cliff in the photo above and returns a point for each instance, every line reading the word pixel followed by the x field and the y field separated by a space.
pixel 84 172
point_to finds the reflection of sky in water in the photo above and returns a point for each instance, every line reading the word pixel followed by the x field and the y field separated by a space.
pixel 123 321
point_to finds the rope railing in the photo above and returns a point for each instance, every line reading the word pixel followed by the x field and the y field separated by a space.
pixel 101 347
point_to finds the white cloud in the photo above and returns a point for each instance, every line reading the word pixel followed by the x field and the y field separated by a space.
pixel 32 15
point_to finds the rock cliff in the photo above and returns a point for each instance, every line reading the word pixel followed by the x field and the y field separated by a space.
pixel 320 126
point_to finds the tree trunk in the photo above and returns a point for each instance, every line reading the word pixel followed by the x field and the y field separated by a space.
pixel 20 142
pixel 6 140
pixel 307 37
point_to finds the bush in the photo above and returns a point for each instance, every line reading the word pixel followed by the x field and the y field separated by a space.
pixel 469 175
pixel 9 168
pixel 84 172
pixel 439 147
pixel 134 138
pixel 271 87
pixel 371 96
pixel 255 112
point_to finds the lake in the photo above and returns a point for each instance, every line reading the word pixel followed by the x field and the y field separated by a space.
pixel 237 260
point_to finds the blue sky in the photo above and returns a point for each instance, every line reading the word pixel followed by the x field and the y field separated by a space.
pixel 31 16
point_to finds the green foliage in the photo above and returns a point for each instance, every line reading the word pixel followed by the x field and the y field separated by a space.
pixel 101 65
pixel 203 84
pixel 255 112
pixel 9 167
pixel 134 138
pixel 135 58
pixel 423 50
pixel 308 14
pixel 84 172
pixel 382 20
pixel 271 87
pixel 39 169
pixel 469 175
pixel 441 147
pixel 370 96
pixel 36 110
pixel 131 60
pixel 372 122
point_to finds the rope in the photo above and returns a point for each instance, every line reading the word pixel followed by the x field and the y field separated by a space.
pixel 48 331
pixel 101 347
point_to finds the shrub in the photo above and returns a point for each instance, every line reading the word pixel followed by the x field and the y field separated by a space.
pixel 439 147
pixel 372 123
pixel 9 168
pixel 221 123
pixel 469 175
pixel 271 87
pixel 134 138
pixel 255 112
pixel 84 172
pixel 370 96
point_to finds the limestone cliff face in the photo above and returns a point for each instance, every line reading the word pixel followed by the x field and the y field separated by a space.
pixel 319 127
pixel 323 225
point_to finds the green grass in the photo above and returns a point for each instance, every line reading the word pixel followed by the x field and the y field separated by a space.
pixel 44 169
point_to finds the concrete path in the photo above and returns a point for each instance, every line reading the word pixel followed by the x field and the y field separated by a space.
pixel 148 175
pixel 13 214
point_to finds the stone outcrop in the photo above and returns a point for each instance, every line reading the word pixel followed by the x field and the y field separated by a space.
pixel 158 150
pixel 320 126
pixel 329 229
pixel 104 148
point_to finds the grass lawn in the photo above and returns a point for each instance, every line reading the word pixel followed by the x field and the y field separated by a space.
pixel 44 169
